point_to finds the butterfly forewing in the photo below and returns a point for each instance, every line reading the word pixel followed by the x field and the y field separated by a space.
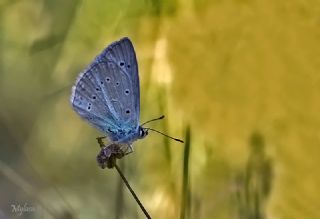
pixel 107 93
pixel 122 53
pixel 116 86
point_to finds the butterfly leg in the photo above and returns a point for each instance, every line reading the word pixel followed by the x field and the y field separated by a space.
pixel 100 142
pixel 129 149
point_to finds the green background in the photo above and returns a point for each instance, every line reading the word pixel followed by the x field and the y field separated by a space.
pixel 237 79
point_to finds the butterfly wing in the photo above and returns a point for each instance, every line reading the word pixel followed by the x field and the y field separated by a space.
pixel 123 56
pixel 107 93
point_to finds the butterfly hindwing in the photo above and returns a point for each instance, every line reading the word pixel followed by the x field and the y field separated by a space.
pixel 89 103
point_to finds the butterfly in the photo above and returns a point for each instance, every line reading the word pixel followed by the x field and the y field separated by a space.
pixel 107 95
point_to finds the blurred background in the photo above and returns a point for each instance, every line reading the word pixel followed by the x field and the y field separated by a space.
pixel 238 80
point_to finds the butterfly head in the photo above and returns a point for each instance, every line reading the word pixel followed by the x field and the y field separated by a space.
pixel 143 132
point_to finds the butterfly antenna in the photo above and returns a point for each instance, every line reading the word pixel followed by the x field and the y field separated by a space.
pixel 176 139
pixel 161 117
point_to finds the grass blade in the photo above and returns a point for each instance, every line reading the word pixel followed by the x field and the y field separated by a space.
pixel 185 195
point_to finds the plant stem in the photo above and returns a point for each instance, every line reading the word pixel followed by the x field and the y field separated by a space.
pixel 132 192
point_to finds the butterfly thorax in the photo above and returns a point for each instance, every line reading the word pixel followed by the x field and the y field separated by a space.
pixel 122 135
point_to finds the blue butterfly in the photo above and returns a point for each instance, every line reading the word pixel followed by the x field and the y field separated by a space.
pixel 107 95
